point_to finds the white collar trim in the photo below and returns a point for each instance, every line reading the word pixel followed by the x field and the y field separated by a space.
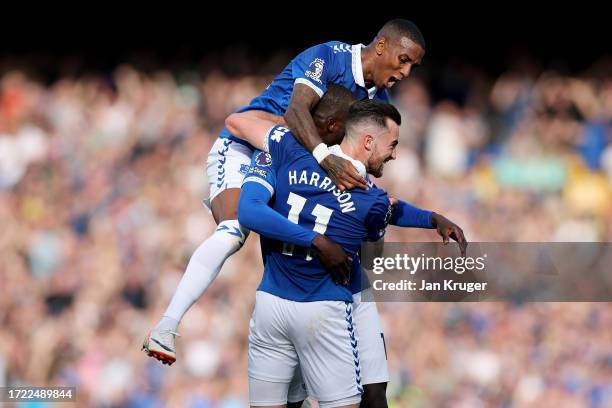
pixel 358 70
pixel 337 150
pixel 357 67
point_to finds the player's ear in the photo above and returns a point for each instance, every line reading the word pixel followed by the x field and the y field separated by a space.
pixel 368 142
pixel 380 45
pixel 331 124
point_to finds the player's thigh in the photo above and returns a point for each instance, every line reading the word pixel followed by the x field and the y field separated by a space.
pixel 371 342
pixel 228 162
pixel 272 358
pixel 225 205
pixel 324 338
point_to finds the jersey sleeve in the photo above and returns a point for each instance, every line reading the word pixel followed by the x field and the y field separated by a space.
pixel 407 215
pixel 261 171
pixel 255 214
pixel 314 68
pixel 378 217
pixel 279 142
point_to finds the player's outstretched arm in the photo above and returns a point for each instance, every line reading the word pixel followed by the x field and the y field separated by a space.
pixel 252 126
pixel 409 216
pixel 299 119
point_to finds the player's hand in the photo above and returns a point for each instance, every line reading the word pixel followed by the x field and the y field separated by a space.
pixel 333 258
pixel 448 229
pixel 342 172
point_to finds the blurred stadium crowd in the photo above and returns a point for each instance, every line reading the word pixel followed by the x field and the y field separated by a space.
pixel 101 182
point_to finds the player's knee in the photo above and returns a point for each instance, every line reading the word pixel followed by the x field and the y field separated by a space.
pixel 374 396
pixel 234 232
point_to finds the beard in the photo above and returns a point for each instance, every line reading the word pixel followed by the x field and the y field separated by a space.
pixel 377 170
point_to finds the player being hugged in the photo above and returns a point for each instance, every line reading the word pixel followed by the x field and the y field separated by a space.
pixel 367 71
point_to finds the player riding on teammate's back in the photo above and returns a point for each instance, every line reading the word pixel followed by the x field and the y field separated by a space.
pixel 366 70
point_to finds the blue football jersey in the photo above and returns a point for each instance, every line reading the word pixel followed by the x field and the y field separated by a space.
pixel 333 62
pixel 304 194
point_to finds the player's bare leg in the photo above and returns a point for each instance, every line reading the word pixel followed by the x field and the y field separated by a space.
pixel 269 406
pixel 203 268
pixel 294 405
pixel 374 396
pixel 224 206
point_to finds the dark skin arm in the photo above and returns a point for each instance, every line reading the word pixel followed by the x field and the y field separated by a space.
pixel 448 229
pixel 299 119
pixel 333 258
